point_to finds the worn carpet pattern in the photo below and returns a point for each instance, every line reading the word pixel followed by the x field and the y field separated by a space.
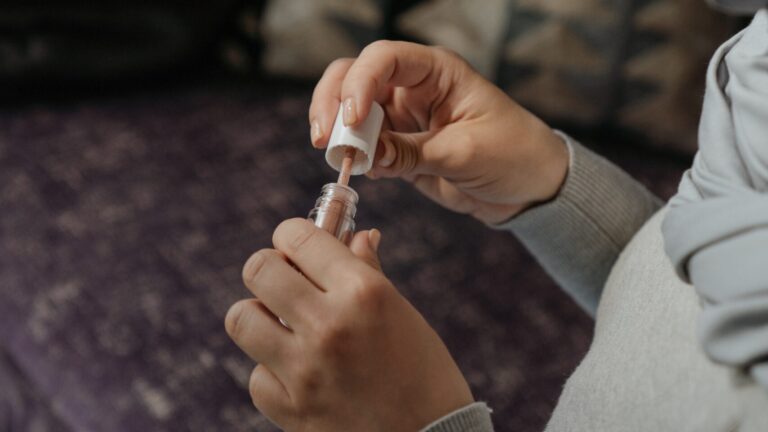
pixel 123 227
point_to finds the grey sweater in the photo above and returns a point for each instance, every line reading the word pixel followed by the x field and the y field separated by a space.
pixel 716 231
pixel 576 237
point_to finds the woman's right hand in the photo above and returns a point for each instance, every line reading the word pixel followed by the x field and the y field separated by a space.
pixel 458 138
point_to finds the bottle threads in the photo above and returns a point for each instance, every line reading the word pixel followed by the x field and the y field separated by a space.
pixel 335 211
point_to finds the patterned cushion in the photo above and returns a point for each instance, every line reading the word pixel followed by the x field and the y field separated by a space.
pixel 303 36
pixel 596 62
pixel 662 75
pixel 587 63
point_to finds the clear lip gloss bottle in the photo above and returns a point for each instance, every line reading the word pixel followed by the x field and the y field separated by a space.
pixel 335 211
pixel 351 150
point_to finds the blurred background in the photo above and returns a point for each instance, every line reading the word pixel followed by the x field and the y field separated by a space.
pixel 147 149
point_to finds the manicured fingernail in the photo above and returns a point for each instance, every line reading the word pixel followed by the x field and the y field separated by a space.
pixel 350 114
pixel 315 133
pixel 374 238
pixel 389 154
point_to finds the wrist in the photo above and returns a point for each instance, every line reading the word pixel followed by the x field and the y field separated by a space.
pixel 549 169
pixel 553 160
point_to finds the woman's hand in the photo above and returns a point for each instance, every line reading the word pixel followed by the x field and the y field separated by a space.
pixel 457 137
pixel 357 356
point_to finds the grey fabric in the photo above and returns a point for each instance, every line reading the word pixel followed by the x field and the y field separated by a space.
pixel 644 370
pixel 475 417
pixel 738 6
pixel 578 236
pixel 716 232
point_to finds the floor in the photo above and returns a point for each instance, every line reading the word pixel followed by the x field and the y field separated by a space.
pixel 124 225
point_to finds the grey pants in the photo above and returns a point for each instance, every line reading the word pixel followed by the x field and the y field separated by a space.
pixel 645 370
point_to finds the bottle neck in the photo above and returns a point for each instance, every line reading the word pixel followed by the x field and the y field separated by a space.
pixel 335 211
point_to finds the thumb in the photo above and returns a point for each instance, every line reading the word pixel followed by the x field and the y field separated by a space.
pixel 365 245
pixel 400 154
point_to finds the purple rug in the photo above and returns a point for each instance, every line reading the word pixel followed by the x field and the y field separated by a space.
pixel 124 226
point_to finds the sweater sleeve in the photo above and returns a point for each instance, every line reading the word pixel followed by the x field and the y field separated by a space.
pixel 716 230
pixel 475 417
pixel 578 236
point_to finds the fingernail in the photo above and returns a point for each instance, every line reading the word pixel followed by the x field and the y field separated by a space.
pixel 350 115
pixel 315 133
pixel 374 238
pixel 389 154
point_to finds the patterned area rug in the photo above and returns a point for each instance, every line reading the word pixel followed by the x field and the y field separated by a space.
pixel 124 226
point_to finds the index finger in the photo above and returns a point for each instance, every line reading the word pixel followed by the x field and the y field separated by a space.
pixel 325 101
pixel 318 255
pixel 381 65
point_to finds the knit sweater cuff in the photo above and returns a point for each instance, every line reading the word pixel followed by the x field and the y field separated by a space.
pixel 578 235
pixel 475 417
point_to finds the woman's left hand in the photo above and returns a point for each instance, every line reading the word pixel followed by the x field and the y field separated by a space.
pixel 357 356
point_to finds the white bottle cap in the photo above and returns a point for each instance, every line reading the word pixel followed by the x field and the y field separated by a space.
pixel 364 137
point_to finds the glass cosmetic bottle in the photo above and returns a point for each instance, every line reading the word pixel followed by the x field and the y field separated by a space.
pixel 335 210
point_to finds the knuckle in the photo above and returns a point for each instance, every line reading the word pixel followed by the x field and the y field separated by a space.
pixel 305 384
pixel 235 319
pixel 367 294
pixel 449 55
pixel 450 60
pixel 407 158
pixel 255 387
pixel 360 76
pixel 340 63
pixel 253 265
pixel 332 338
pixel 378 46
pixel 445 51
pixel 294 234
pixel 301 238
